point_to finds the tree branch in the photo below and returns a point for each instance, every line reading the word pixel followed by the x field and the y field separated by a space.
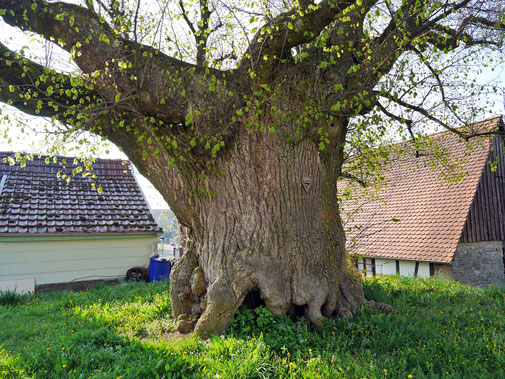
pixel 423 112
pixel 161 85
pixel 489 23
pixel 39 91
pixel 408 30
pixel 402 120
pixel 186 18
pixel 406 24
pixel 445 37
pixel 353 178
pixel 69 25
pixel 202 33
pixel 288 30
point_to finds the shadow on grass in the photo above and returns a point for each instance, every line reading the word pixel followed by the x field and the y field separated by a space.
pixel 119 331
pixel 439 329
pixel 77 334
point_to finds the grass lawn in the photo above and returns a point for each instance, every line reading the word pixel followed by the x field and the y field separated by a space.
pixel 440 329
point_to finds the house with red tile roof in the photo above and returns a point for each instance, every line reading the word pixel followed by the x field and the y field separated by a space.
pixel 56 226
pixel 445 218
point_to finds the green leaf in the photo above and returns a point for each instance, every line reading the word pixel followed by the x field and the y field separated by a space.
pixel 189 119
pixel 104 38
pixel 336 107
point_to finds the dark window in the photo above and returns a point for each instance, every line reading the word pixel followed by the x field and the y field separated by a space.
pixel 432 269
pixel 366 266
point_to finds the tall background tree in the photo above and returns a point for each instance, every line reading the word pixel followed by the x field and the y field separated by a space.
pixel 240 114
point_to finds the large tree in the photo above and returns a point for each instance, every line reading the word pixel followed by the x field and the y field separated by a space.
pixel 239 114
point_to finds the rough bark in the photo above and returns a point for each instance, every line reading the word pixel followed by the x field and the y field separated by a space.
pixel 264 231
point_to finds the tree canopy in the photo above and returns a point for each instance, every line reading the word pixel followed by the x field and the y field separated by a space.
pixel 404 58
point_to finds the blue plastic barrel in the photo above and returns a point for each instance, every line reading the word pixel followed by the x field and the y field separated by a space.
pixel 159 269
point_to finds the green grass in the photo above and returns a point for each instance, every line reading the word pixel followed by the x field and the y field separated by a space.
pixel 440 329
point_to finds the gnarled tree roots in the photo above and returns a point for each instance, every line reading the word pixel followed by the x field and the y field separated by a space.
pixel 207 308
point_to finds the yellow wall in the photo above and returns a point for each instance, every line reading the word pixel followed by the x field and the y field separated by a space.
pixel 73 260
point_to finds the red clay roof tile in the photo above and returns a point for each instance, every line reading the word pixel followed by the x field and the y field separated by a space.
pixel 429 212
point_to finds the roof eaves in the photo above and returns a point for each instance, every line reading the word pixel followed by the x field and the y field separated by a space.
pixel 407 259
pixel 153 232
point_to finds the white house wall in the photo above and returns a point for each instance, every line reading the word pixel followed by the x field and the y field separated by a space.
pixel 385 267
pixel 475 263
pixel 61 261
pixel 21 286
pixel 407 268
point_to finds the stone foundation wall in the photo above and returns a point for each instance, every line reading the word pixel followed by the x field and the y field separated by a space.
pixel 74 286
pixel 479 263
pixel 443 271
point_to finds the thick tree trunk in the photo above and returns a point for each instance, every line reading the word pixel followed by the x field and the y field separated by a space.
pixel 273 227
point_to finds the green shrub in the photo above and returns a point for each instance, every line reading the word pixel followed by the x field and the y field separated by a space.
pixel 10 298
